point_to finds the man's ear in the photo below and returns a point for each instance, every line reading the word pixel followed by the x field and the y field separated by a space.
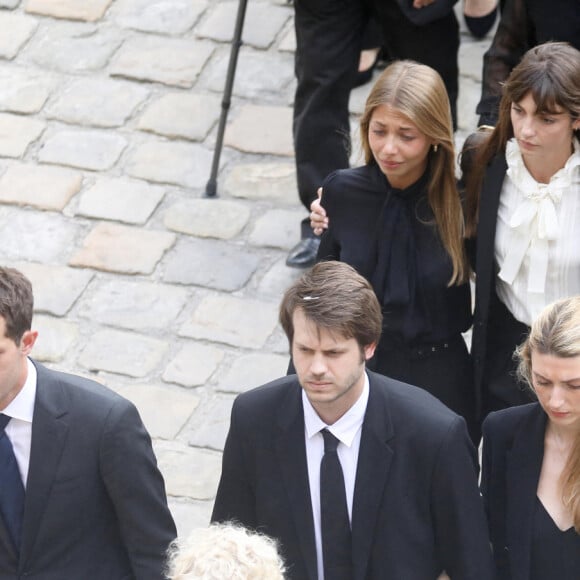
pixel 369 350
pixel 27 341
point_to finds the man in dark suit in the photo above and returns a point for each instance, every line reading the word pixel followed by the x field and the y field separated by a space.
pixel 94 504
pixel 409 470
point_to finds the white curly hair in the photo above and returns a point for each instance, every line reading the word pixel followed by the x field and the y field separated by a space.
pixel 224 551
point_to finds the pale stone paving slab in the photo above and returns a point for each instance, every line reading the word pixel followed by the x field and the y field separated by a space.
pixel 275 182
pixel 252 370
pixel 121 199
pixel 258 129
pixel 178 163
pixel 115 248
pixel 193 365
pixel 250 80
pixel 108 351
pixel 207 218
pixel 188 472
pixel 171 61
pixel 240 322
pixel 164 16
pixel 9 3
pixel 89 10
pixel 55 337
pixel 56 288
pixel 467 119
pixel 212 423
pixel 288 42
pixel 133 305
pixel 278 278
pixel 22 90
pixel 94 150
pixel 214 264
pixel 164 411
pixel 262 24
pixel 36 236
pixel 42 187
pixel 16 30
pixel 276 228
pixel 72 47
pixel 190 515
pixel 181 115
pixel 17 133
pixel 278 342
pixel 97 102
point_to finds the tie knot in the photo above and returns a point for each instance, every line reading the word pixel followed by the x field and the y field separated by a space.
pixel 330 441
pixel 4 420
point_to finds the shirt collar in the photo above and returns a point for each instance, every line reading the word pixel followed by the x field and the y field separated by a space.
pixel 347 426
pixel 22 406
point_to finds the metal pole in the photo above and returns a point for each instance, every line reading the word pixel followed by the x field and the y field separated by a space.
pixel 211 187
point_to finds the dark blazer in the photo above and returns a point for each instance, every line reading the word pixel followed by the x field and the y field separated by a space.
pixel 95 504
pixel 416 507
pixel 496 332
pixel 513 450
pixel 484 265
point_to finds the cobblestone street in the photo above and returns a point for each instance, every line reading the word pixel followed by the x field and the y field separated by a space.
pixel 108 119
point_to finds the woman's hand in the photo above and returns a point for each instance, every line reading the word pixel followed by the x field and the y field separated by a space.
pixel 318 219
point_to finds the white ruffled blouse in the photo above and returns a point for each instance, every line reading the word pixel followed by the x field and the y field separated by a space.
pixel 537 242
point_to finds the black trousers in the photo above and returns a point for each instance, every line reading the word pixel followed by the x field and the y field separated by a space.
pixel 329 37
pixel 501 387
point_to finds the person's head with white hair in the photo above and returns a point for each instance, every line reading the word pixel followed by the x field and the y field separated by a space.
pixel 224 552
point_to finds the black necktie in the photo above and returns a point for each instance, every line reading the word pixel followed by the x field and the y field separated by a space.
pixel 335 525
pixel 11 488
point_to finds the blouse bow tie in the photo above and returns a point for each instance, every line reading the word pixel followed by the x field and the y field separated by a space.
pixel 534 222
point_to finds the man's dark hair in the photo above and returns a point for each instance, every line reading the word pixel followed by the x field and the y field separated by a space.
pixel 16 303
pixel 335 297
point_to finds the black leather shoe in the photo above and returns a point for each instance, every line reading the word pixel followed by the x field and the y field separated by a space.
pixel 303 254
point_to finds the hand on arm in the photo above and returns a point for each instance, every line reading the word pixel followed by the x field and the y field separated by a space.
pixel 318 218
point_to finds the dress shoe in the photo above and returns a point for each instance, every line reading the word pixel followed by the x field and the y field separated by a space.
pixel 303 254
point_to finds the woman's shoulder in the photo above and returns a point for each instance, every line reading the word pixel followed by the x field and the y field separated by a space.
pixel 355 180
pixel 508 420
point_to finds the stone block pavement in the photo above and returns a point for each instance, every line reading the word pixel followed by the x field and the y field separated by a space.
pixel 108 117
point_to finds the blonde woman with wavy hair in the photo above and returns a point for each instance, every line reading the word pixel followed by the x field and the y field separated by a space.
pixel 224 552
pixel 531 456
pixel 398 220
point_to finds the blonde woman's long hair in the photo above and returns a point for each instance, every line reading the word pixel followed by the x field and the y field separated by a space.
pixel 417 92
pixel 556 332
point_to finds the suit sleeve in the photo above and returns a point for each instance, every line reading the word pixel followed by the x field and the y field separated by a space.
pixel 235 499
pixel 460 527
pixel 493 469
pixel 137 491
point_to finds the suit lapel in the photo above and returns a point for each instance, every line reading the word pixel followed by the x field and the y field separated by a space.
pixel 49 431
pixel 291 450
pixel 524 463
pixel 489 203
pixel 374 461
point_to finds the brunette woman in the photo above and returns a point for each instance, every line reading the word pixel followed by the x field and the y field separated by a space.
pixel 523 214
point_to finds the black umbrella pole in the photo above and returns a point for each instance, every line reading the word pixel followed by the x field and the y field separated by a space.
pixel 211 187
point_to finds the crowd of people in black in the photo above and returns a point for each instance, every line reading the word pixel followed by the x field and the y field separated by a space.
pixel 362 463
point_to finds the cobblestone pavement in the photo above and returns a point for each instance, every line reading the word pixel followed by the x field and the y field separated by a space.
pixel 108 117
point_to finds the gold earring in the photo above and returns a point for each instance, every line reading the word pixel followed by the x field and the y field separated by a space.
pixel 435 147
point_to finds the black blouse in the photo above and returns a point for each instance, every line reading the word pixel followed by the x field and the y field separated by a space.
pixel 390 237
pixel 555 553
